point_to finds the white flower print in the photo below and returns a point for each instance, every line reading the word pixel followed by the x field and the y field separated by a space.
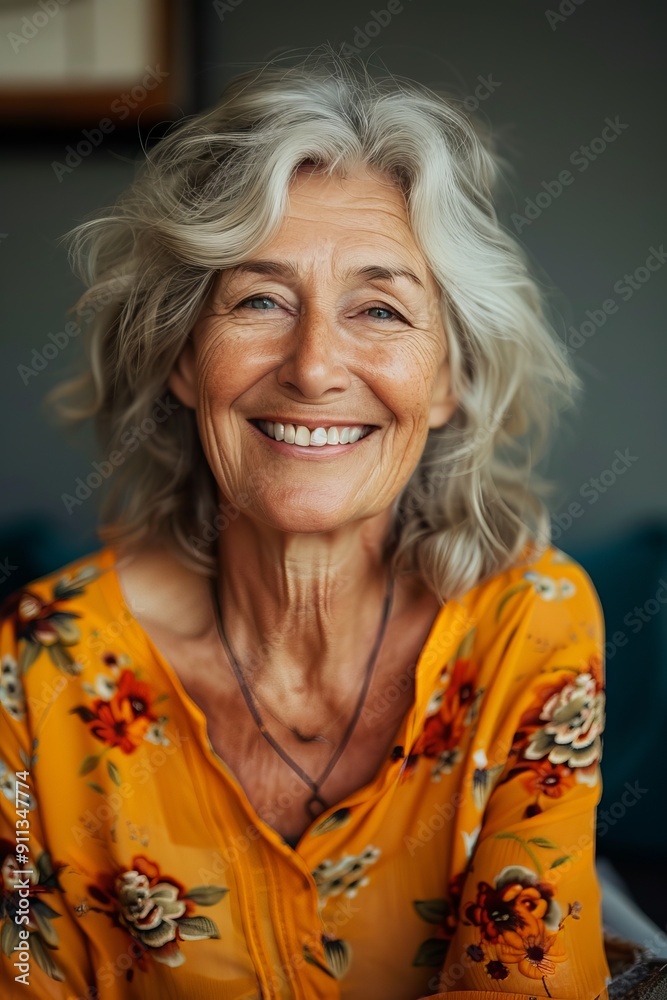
pixel 12 696
pixel 8 782
pixel 346 875
pixel 550 589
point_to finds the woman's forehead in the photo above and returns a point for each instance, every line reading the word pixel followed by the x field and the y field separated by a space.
pixel 355 223
pixel 361 187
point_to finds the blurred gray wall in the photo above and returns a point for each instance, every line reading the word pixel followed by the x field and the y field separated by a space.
pixel 549 79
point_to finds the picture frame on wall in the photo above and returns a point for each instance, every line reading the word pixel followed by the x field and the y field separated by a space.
pixel 70 62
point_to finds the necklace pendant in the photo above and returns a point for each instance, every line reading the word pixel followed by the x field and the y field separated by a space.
pixel 316 805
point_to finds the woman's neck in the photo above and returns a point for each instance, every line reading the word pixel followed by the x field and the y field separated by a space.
pixel 306 605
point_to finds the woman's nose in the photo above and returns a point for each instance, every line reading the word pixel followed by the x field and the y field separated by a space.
pixel 315 360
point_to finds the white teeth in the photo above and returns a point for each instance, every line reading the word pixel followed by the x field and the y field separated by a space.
pixel 317 438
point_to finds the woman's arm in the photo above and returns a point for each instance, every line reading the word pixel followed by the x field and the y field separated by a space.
pixel 44 954
pixel 529 915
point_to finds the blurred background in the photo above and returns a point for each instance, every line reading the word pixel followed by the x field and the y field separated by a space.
pixel 575 94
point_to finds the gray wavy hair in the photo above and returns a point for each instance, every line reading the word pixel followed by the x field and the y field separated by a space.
pixel 212 192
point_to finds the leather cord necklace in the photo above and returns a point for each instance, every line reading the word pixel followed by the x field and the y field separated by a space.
pixel 315 799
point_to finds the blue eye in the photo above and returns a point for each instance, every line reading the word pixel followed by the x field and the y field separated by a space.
pixel 257 298
pixel 392 314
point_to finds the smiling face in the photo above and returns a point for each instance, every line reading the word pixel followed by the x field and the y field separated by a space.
pixel 313 332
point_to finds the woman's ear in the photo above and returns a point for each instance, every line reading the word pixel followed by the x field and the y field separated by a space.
pixel 183 378
pixel 443 400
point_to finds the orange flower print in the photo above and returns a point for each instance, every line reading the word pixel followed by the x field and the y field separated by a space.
pixel 135 694
pixel 535 954
pixel 542 778
pixel 545 778
pixel 116 725
pixel 449 713
pixel 124 714
pixel 519 923
pixel 517 902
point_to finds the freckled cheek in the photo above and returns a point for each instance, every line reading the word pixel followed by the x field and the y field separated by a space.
pixel 224 379
pixel 405 389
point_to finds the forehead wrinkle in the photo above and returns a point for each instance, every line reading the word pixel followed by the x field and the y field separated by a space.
pixel 371 272
pixel 377 217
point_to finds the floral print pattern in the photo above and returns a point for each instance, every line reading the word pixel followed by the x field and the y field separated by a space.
pixel 345 876
pixel 573 719
pixel 444 914
pixel 450 712
pixel 43 880
pixel 122 716
pixel 559 740
pixel 155 910
pixel 334 878
pixel 519 924
pixel 12 696
pixel 8 784
pixel 46 624
pixel 496 923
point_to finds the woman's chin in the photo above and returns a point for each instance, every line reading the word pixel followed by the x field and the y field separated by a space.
pixel 301 518
pixel 307 524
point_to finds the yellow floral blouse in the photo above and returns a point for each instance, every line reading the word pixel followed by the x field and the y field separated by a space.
pixel 135 868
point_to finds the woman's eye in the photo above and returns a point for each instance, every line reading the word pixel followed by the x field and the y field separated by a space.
pixel 258 298
pixel 383 309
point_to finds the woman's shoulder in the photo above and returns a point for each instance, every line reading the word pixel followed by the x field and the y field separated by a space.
pixel 544 573
pixel 73 580
pixel 545 595
pixel 51 621
pixel 50 613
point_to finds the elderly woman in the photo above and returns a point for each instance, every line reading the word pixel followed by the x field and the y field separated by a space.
pixel 322 717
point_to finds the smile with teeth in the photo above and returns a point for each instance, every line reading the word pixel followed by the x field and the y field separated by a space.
pixel 301 435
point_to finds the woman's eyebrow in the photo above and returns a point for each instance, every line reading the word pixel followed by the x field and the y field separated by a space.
pixel 285 269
